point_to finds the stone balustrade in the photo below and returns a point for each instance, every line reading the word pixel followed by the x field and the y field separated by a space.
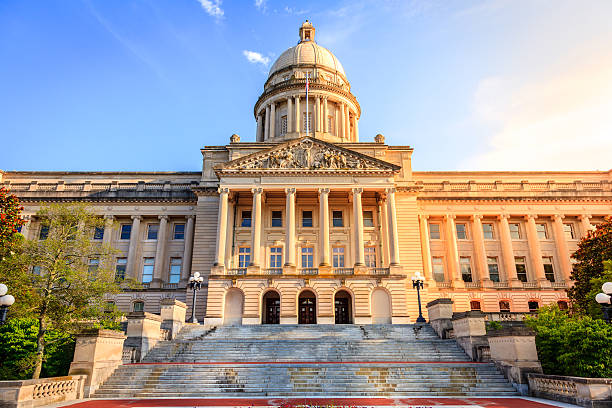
pixel 41 392
pixel 448 186
pixel 586 392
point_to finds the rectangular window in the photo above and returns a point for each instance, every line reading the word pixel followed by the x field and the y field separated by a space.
pixel 434 231
pixel 549 272
pixel 277 218
pixel 307 257
pixel 493 268
pixel 179 231
pixel 337 220
pixel 461 231
pixel 44 232
pixel 338 257
pixel 541 229
pixel 521 268
pixel 175 270
pixel 244 257
pixel 120 267
pixel 533 306
pixel 368 219
pixel 370 256
pixel 92 265
pixel 307 122
pixel 98 233
pixel 515 231
pixel 466 268
pixel 147 270
pixel 276 257
pixel 126 231
pixel 283 124
pixel 568 230
pixel 306 218
pixel 139 306
pixel 152 231
pixel 438 268
pixel 246 219
pixel 487 231
pixel 475 305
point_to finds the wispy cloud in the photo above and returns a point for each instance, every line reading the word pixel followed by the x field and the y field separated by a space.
pixel 212 7
pixel 294 11
pixel 256 58
pixel 261 4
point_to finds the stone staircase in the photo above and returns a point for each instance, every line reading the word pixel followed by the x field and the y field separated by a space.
pixel 305 360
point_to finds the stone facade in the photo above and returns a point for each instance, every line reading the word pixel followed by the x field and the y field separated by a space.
pixel 308 224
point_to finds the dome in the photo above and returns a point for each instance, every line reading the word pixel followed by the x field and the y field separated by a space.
pixel 308 52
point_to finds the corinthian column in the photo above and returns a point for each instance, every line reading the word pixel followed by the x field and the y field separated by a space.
pixel 561 244
pixel 133 247
pixel 108 230
pixel 507 251
pixel 267 123
pixel 356 130
pixel 221 227
pixel 325 115
pixel 256 226
pixel 290 226
pixel 317 112
pixel 534 248
pixel 347 123
pixel 392 223
pixel 585 225
pixel 358 214
pixel 259 128
pixel 425 248
pixel 272 120
pixel 160 251
pixel 480 251
pixel 343 132
pixel 188 250
pixel 289 115
pixel 298 115
pixel 451 249
pixel 324 225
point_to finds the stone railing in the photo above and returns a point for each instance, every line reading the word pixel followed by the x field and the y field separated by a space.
pixel 530 285
pixel 444 285
pixel 507 316
pixel 501 285
pixel 586 392
pixel 44 391
pixel 236 271
pixel 472 285
pixel 272 271
pixel 379 271
pixel 343 271
pixel 525 185
pixel 89 186
pixel 309 271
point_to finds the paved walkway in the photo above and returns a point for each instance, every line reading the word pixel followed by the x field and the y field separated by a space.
pixel 424 402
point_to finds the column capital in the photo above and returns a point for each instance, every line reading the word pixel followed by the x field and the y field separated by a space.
pixel 558 216
pixel 476 217
pixel 503 216
pixel 163 217
pixel 450 216
pixel 190 216
pixel 257 190
pixel 424 217
pixel 390 190
pixel 290 190
pixel 585 216
pixel 107 217
pixel 530 217
pixel 357 190
pixel 323 191
pixel 136 217
pixel 223 190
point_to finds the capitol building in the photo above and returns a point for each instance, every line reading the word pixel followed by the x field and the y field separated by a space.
pixel 307 221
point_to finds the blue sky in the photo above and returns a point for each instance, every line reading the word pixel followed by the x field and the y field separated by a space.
pixel 143 84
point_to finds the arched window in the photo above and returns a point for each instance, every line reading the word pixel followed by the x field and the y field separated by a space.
pixel 504 306
pixel 475 305
pixel 138 306
pixel 534 305
pixel 562 305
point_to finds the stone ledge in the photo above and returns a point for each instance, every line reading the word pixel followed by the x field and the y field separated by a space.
pixel 511 331
pixel 441 301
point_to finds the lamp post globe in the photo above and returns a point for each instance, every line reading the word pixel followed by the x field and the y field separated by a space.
pixel 417 283
pixel 5 302
pixel 195 283
pixel 605 300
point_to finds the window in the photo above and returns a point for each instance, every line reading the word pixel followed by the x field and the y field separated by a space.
pixel 461 231
pixel 306 218
pixel 277 218
pixel 466 268
pixel 307 257
pixel 147 270
pixel 92 265
pixel 337 219
pixel 434 231
pixel 338 257
pixel 548 268
pixel 533 306
pixel 175 270
pixel 152 231
pixel 541 230
pixel 244 257
pixel 179 231
pixel 276 257
pixel 307 121
pixel 475 305
pixel 44 232
pixel 126 231
pixel 521 268
pixel 283 124
pixel 562 305
pixel 370 256
pixel 246 219
pixel 98 233
pixel 504 306
pixel 120 269
pixel 493 268
pixel 438 268
pixel 138 306
pixel 568 230
pixel 368 219
pixel 487 231
pixel 515 231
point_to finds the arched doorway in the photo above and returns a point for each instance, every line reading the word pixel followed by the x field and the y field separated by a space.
pixel 307 308
pixel 343 307
pixel 381 307
pixel 234 301
pixel 271 308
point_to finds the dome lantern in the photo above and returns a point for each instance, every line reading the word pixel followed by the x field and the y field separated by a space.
pixel 307 32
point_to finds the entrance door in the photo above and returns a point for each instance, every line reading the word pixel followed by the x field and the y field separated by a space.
pixel 271 308
pixel 307 308
pixel 342 308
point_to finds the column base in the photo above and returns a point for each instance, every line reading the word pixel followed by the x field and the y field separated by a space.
pixel 487 283
pixel 325 269
pixel 156 283
pixel 360 270
pixel 396 269
pixel 544 283
pixel 458 284
pixel 253 269
pixel 289 270
pixel 515 283
pixel 217 270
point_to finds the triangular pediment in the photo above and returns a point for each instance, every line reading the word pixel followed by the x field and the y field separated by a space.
pixel 307 155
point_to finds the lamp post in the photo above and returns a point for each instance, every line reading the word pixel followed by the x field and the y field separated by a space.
pixel 195 283
pixel 604 299
pixel 5 302
pixel 417 283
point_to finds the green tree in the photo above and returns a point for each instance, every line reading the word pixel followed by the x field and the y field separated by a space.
pixel 572 345
pixel 10 221
pixel 592 251
pixel 61 280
